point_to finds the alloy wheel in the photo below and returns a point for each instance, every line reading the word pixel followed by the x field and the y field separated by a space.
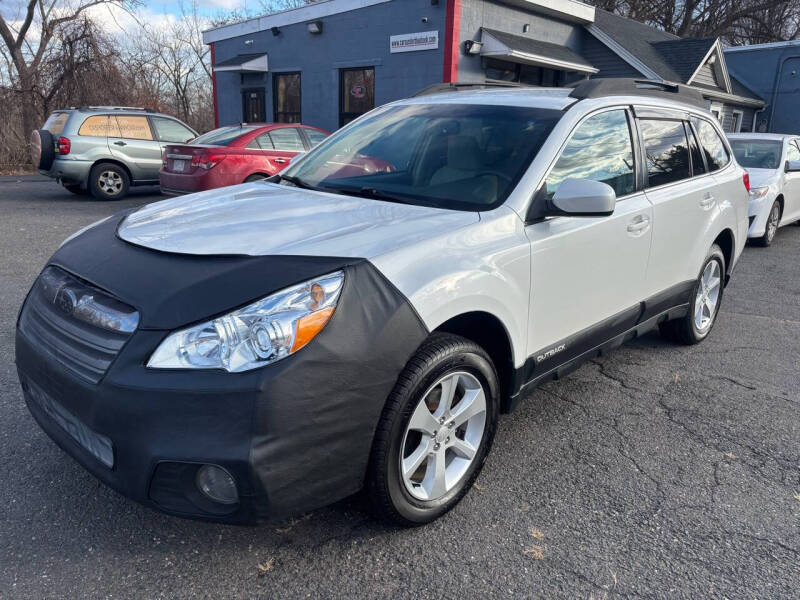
pixel 110 183
pixel 443 436
pixel 707 299
pixel 772 221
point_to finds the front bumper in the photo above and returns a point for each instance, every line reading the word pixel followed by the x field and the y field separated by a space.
pixel 758 212
pixel 295 435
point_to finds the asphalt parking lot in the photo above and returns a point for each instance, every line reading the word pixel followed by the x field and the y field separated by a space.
pixel 656 472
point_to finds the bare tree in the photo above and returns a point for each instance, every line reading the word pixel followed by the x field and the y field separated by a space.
pixel 27 42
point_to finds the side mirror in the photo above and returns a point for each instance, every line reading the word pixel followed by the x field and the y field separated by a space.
pixel 791 166
pixel 584 198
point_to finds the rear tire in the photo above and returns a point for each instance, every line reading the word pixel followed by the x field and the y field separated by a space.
pixel 705 300
pixel 771 228
pixel 419 432
pixel 108 181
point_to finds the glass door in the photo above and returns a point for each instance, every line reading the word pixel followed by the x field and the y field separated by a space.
pixel 356 93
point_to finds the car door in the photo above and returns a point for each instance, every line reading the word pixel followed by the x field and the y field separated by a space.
pixel 134 144
pixel 285 143
pixel 588 273
pixel 791 186
pixel 683 205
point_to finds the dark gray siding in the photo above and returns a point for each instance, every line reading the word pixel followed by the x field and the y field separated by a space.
pixel 706 76
pixel 352 39
pixel 727 117
pixel 606 60
pixel 485 13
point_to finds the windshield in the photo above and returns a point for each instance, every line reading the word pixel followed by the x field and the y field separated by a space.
pixel 757 154
pixel 459 156
pixel 222 136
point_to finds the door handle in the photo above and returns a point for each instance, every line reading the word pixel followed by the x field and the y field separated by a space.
pixel 280 161
pixel 639 225
pixel 120 143
pixel 707 201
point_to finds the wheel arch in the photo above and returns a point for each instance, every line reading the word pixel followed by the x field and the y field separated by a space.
pixel 727 243
pixel 489 332
pixel 112 161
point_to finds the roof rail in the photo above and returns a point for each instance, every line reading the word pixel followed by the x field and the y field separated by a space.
pixel 623 86
pixel 131 108
pixel 438 88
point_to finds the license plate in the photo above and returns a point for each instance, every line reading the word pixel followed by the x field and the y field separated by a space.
pixel 177 165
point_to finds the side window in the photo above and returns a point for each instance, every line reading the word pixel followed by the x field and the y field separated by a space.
pixel 97 126
pixel 133 127
pixel 666 150
pixel 713 147
pixel 287 139
pixel 262 142
pixel 792 153
pixel 601 150
pixel 169 130
pixel 698 167
pixel 314 136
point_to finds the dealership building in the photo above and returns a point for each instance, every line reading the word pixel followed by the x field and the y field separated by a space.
pixel 326 63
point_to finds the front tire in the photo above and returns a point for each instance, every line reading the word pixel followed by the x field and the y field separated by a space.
pixel 108 181
pixel 771 228
pixel 704 303
pixel 435 432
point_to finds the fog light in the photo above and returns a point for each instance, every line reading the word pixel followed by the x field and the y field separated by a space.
pixel 217 484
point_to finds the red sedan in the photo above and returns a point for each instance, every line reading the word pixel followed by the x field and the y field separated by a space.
pixel 235 154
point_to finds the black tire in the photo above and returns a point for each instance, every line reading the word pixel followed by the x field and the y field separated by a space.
pixel 76 189
pixel 256 177
pixel 105 177
pixel 42 148
pixel 685 330
pixel 770 229
pixel 439 355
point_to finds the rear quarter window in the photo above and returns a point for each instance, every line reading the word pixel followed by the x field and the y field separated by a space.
pixel 97 126
pixel 56 122
pixel 711 143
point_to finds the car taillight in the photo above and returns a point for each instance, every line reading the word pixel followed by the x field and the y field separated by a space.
pixel 746 180
pixel 64 145
pixel 207 161
pixel 164 159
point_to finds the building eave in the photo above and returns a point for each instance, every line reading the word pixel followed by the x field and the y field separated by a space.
pixel 310 12
pixel 567 10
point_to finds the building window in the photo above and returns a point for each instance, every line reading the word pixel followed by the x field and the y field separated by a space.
pixel 356 93
pixel 737 121
pixel 286 97
pixel 253 109
pixel 500 70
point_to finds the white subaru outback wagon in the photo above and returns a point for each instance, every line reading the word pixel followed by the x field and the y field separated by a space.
pixel 360 320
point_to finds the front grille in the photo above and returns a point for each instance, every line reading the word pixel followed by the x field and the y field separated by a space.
pixel 75 323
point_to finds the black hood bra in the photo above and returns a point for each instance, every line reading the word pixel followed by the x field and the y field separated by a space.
pixel 172 290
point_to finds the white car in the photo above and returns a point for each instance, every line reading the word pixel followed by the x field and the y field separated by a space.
pixel 361 319
pixel 773 161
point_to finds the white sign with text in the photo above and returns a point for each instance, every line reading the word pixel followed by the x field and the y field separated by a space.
pixel 410 42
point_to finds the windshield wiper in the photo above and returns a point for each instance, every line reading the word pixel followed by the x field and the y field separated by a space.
pixel 297 182
pixel 369 192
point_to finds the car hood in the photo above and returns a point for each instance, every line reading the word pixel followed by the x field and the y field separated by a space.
pixel 267 219
pixel 763 177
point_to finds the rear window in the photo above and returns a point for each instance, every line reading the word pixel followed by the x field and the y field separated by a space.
pixel 222 136
pixel 757 154
pixel 55 122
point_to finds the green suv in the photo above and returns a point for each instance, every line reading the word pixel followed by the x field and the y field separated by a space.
pixel 103 150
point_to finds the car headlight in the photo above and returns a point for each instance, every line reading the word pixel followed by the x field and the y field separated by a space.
pixel 759 192
pixel 256 335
